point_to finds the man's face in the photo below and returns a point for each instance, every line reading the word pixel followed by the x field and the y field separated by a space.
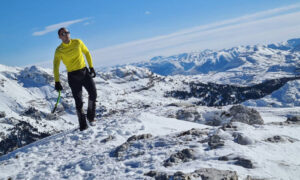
pixel 64 35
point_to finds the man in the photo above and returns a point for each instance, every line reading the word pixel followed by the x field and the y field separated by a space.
pixel 71 51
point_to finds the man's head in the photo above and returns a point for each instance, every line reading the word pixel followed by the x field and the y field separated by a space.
pixel 64 34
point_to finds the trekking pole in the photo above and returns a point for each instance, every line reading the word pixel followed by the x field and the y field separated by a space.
pixel 57 101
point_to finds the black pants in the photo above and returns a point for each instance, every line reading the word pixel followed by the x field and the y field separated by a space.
pixel 77 80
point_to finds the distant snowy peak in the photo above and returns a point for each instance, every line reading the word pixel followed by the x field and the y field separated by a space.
pixel 292 44
pixel 128 73
pixel 227 59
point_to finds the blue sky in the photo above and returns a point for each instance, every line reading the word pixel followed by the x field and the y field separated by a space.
pixel 124 31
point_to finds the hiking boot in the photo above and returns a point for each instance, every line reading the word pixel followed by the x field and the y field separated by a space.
pixel 91 111
pixel 92 123
pixel 82 120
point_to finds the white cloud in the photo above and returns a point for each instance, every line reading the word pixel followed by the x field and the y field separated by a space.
pixel 55 27
pixel 263 27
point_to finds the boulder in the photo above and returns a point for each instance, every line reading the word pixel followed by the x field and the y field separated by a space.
pixel 121 150
pixel 213 174
pixel 293 119
pixel 246 163
pixel 188 115
pixel 215 142
pixel 109 138
pixel 205 174
pixel 242 139
pixel 193 132
pixel 182 156
pixel 240 113
pixel 280 139
pixel 2 114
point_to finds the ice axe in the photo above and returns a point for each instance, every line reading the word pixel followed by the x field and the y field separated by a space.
pixel 57 101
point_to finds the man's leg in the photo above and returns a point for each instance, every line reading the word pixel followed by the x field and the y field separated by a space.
pixel 90 86
pixel 76 88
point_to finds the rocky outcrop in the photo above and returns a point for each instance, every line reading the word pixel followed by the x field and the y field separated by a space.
pixel 120 151
pixel 280 139
pixel 242 139
pixel 215 141
pixel 246 115
pixel 193 132
pixel 293 119
pixel 188 115
pixel 240 161
pixel 182 156
pixel 2 114
pixel 109 138
pixel 38 115
pixel 206 173
pixel 22 134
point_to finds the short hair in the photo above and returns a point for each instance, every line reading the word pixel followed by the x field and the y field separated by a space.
pixel 60 29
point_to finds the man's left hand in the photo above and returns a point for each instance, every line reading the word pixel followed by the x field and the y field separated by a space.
pixel 92 72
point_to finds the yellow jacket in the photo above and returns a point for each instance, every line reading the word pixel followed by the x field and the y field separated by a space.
pixel 72 57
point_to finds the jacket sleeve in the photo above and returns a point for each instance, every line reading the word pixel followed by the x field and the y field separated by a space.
pixel 87 54
pixel 56 63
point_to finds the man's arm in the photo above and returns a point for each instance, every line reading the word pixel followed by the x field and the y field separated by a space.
pixel 87 54
pixel 56 63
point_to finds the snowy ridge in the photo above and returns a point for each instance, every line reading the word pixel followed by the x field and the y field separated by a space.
pixel 247 60
pixel 142 133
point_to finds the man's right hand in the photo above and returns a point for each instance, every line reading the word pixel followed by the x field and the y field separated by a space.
pixel 58 86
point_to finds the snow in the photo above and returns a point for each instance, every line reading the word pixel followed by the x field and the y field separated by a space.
pixel 161 126
pixel 81 155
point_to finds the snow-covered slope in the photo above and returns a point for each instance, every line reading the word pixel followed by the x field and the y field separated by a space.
pixel 144 121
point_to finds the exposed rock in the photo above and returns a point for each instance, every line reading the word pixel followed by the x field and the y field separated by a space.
pixel 229 127
pixel 188 115
pixel 241 139
pixel 215 174
pixel 182 156
pixel 215 121
pixel 120 151
pixel 254 178
pixel 109 138
pixel 2 114
pixel 181 176
pixel 158 175
pixel 38 115
pixel 246 163
pixel 193 132
pixel 223 158
pixel 280 139
pixel 204 174
pixel 294 119
pixel 215 142
pixel 246 115
pixel 139 137
pixel 22 134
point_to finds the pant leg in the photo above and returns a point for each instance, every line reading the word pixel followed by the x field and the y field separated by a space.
pixel 90 86
pixel 75 80
pixel 75 83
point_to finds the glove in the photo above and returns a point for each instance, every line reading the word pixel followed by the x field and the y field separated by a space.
pixel 58 86
pixel 92 72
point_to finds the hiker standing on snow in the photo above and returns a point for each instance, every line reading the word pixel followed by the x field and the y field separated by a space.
pixel 71 51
